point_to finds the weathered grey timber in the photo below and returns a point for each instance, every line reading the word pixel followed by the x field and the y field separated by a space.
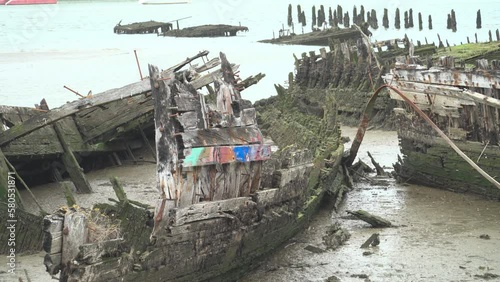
pixel 103 123
pixel 209 30
pixel 317 38
pixel 465 104
pixel 142 28
pixel 218 218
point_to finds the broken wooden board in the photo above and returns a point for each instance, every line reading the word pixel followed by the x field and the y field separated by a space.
pixel 373 220
pixel 221 137
pixel 209 210
pixel 202 156
pixel 54 115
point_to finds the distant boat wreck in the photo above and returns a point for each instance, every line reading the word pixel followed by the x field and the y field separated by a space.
pixel 208 30
pixel 142 27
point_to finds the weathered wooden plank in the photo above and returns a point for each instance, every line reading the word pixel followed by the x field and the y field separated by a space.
pixel 187 103
pixel 52 263
pixel 219 182
pixel 188 120
pixel 481 79
pixel 187 188
pixel 222 137
pixel 205 180
pixel 101 121
pixel 225 154
pixel 71 164
pixel 185 62
pixel 232 181
pixel 249 117
pixel 208 210
pixel 74 235
pixel 244 183
pixel 255 177
pixel 166 146
pixel 210 77
pixel 464 96
pixel 54 115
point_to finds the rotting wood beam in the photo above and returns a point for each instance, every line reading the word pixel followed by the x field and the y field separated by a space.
pixel 54 115
pixel 185 62
pixel 72 166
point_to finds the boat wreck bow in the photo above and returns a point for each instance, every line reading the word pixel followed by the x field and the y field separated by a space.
pixel 225 200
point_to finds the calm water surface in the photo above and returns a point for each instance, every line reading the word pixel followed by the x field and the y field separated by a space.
pixel 44 47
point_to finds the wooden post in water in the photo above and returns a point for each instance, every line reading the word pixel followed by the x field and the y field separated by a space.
pixel 347 20
pixel 420 23
pixel 340 14
pixel 430 22
pixel 373 19
pixel 385 19
pixel 453 21
pixel 490 36
pixel 475 35
pixel 498 35
pixel 407 25
pixel 478 20
pixel 69 160
pixel 410 18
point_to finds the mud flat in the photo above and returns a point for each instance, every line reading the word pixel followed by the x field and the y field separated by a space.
pixel 438 238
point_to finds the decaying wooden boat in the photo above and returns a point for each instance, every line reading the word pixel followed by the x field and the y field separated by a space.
pixel 49 145
pixel 465 105
pixel 224 199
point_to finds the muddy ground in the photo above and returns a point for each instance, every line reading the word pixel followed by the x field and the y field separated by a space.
pixel 437 238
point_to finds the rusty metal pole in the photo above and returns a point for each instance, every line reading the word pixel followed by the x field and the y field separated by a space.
pixel 366 118
pixel 74 91
pixel 138 65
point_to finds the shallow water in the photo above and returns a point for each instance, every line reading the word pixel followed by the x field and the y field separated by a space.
pixel 43 47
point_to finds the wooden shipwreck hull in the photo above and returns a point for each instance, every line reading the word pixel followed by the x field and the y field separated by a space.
pixel 464 104
pixel 224 202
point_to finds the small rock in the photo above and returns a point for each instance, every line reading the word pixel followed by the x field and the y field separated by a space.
pixel 367 253
pixel 333 279
pixel 487 276
pixel 462 267
pixel 484 236
pixel 362 276
pixel 314 249
pixel 137 267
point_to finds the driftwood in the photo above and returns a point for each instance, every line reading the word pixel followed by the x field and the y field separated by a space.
pixel 373 220
pixel 374 240
pixel 380 170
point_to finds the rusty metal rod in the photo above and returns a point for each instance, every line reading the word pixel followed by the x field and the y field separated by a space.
pixel 74 91
pixel 138 65
pixel 366 118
